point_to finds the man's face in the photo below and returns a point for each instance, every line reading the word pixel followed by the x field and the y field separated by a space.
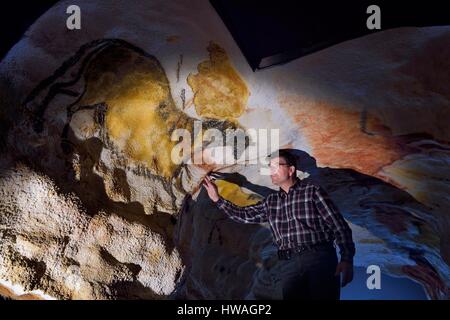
pixel 280 171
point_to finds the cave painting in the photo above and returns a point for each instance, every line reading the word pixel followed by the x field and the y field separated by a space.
pixel 92 207
pixel 220 92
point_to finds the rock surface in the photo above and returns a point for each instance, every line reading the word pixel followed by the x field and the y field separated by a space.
pixel 91 206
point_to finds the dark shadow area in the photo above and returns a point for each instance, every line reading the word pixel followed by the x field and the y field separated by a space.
pixel 133 290
pixel 274 32
pixel 203 232
pixel 16 17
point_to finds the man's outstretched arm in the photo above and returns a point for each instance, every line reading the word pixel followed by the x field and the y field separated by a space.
pixel 256 213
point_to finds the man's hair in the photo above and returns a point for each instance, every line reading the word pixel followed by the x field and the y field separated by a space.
pixel 287 156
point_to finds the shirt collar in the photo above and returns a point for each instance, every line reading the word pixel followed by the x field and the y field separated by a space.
pixel 295 186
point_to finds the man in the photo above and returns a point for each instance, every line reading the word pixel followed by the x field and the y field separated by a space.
pixel 305 223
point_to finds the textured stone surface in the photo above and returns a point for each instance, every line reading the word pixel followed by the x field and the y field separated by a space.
pixel 92 208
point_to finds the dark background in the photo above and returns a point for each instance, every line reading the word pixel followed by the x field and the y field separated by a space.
pixel 281 29
pixel 272 32
pixel 15 18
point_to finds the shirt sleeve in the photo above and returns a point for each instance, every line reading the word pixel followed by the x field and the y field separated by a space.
pixel 335 220
pixel 256 213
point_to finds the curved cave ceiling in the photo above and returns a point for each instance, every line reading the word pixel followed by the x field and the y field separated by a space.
pixel 92 208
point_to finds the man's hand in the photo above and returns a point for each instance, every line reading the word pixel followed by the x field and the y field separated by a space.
pixel 346 268
pixel 211 188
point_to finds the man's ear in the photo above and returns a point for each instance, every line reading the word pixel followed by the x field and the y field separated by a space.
pixel 291 171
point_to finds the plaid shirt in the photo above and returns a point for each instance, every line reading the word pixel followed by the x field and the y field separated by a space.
pixel 304 216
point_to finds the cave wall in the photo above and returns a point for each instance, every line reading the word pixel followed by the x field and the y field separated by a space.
pixel 92 207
